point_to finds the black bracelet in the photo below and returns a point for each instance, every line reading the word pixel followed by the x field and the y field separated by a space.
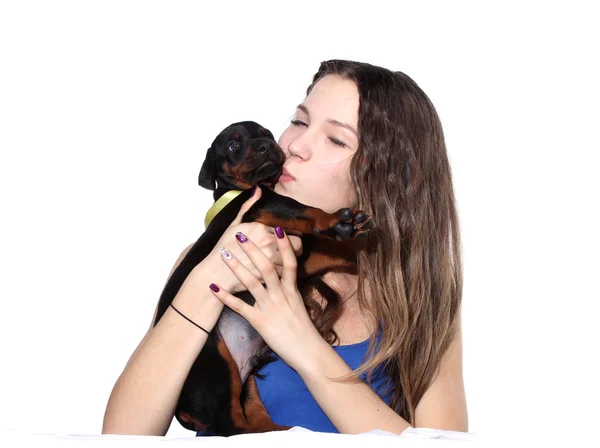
pixel 188 319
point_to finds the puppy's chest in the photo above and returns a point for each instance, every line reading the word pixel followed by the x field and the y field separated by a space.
pixel 241 339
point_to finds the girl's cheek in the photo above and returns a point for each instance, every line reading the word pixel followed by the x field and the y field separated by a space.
pixel 287 136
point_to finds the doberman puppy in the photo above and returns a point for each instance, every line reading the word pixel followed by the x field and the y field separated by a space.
pixel 219 394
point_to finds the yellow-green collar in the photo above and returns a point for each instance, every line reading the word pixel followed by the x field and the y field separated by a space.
pixel 220 205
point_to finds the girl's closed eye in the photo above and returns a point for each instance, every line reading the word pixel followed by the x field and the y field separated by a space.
pixel 333 140
pixel 337 142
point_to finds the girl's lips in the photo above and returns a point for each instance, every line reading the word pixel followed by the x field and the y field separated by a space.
pixel 285 178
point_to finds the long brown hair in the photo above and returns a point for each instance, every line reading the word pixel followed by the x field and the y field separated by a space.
pixel 402 178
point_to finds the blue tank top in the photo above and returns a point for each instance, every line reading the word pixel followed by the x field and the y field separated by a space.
pixel 289 402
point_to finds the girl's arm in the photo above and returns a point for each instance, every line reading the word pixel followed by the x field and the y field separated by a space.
pixel 356 408
pixel 144 397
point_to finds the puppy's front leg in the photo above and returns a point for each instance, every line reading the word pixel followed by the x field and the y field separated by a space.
pixel 330 240
pixel 274 210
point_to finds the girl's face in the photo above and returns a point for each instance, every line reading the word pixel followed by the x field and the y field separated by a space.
pixel 319 145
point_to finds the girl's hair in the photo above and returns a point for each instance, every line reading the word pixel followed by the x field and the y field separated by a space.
pixel 410 275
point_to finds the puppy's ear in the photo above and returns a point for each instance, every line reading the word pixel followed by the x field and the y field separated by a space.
pixel 208 173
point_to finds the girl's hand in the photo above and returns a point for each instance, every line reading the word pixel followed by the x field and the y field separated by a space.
pixel 262 235
pixel 279 314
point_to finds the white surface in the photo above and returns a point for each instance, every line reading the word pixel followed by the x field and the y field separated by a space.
pixel 107 108
pixel 422 437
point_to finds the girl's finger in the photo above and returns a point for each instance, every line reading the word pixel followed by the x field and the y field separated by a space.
pixel 256 194
pixel 247 278
pixel 262 263
pixel 233 302
pixel 288 258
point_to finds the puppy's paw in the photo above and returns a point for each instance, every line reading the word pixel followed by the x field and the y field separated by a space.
pixel 346 224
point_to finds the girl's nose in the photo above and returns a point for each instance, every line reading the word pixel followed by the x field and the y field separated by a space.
pixel 300 146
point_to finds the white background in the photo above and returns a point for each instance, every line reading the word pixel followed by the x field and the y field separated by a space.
pixel 107 109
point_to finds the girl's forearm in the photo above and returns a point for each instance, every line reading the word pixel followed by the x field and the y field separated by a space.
pixel 352 407
pixel 144 397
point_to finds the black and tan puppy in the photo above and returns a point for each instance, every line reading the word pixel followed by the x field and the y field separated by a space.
pixel 219 395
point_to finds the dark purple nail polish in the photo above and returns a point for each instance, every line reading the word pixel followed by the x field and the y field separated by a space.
pixel 279 232
pixel 254 190
pixel 214 287
pixel 241 237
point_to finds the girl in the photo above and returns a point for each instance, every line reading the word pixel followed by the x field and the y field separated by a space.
pixel 368 138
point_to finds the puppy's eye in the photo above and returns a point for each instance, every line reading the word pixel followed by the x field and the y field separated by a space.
pixel 234 146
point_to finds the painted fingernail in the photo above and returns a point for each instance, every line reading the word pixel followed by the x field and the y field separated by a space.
pixel 225 254
pixel 279 232
pixel 241 237
pixel 214 287
pixel 254 190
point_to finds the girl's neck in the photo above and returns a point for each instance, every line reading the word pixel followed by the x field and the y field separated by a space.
pixel 344 284
pixel 355 324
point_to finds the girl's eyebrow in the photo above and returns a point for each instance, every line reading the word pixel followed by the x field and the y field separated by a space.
pixel 303 108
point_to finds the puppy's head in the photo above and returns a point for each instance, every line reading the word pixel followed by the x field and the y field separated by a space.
pixel 243 155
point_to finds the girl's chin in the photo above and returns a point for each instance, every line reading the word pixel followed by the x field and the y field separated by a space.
pixel 282 190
